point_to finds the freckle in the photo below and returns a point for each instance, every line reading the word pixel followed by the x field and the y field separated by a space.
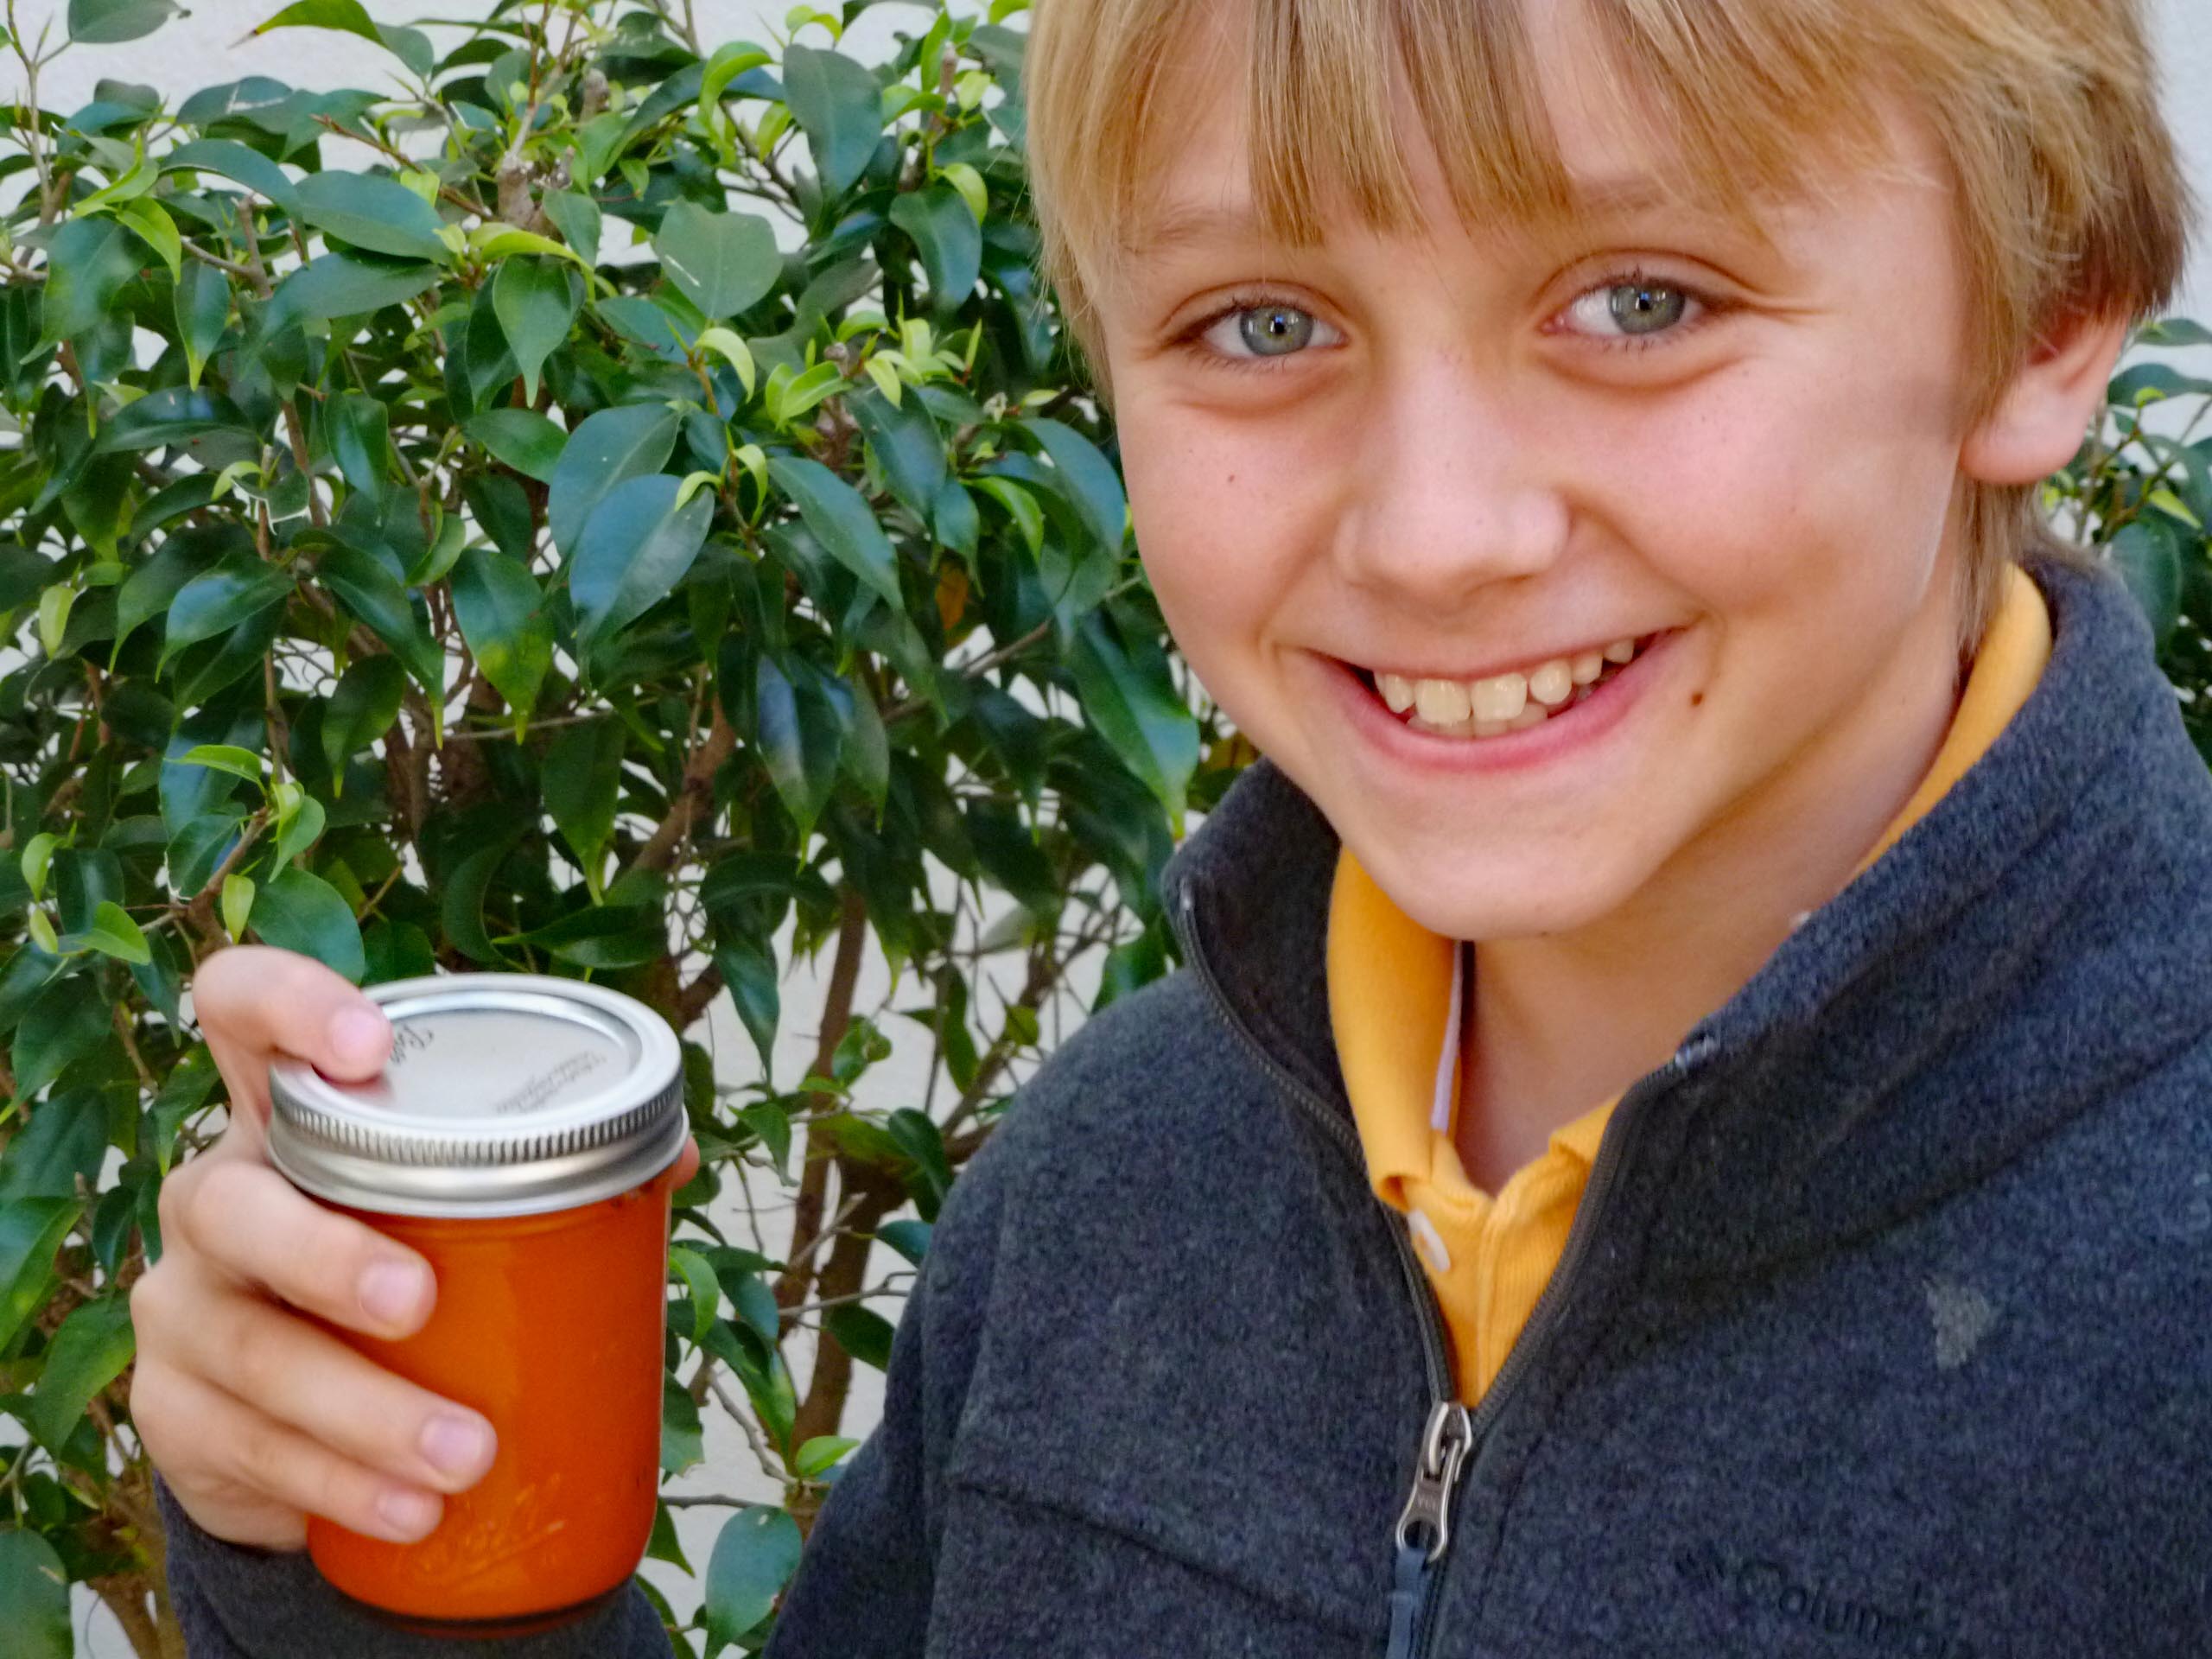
pixel 1697 699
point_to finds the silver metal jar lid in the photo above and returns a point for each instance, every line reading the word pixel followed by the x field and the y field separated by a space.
pixel 507 1095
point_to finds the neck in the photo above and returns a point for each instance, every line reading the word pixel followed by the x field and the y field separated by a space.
pixel 1559 1025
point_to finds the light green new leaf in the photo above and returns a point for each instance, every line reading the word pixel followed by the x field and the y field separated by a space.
pixel 950 241
pixel 301 829
pixel 502 617
pixel 238 892
pixel 156 230
pixel 113 933
pixel 753 1559
pixel 37 859
pixel 733 351
pixel 379 214
pixel 35 1589
pixel 536 302
pixel 604 450
pixel 89 1352
pixel 223 757
pixel 724 262
pixel 839 106
pixel 841 521
pixel 633 549
pixel 109 22
pixel 295 911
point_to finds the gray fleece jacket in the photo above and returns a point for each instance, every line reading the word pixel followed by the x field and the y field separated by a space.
pixel 1881 1329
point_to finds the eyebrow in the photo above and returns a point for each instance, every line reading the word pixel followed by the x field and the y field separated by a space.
pixel 1187 223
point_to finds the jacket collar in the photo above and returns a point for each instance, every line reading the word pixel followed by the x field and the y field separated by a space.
pixel 2030 944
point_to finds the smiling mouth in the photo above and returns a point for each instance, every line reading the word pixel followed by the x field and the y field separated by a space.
pixel 1509 703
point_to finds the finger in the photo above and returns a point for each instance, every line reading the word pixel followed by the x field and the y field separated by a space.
pixel 243 1221
pixel 245 1477
pixel 252 1002
pixel 301 1377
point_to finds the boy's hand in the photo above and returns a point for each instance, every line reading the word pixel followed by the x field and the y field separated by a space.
pixel 254 1416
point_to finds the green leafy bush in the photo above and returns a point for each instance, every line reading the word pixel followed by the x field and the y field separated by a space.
pixel 621 506
pixel 615 508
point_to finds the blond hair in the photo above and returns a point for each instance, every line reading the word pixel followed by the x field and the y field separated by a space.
pixel 2069 196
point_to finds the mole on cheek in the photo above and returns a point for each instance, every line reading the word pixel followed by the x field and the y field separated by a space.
pixel 1697 699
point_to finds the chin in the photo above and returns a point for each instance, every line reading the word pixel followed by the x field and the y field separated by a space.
pixel 1492 903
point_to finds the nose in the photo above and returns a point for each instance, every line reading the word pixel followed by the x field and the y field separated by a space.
pixel 1451 493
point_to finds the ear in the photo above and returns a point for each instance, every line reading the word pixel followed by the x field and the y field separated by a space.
pixel 2040 423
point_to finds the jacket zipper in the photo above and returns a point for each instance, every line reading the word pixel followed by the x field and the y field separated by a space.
pixel 1453 1433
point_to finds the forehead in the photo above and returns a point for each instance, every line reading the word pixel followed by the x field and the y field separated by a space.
pixel 1525 117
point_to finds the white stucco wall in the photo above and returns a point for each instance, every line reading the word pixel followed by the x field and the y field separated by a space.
pixel 205 47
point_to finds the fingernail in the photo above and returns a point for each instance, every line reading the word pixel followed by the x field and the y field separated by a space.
pixel 390 1291
pixel 452 1445
pixel 408 1513
pixel 359 1031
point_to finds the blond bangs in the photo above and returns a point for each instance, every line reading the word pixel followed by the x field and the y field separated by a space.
pixel 2068 193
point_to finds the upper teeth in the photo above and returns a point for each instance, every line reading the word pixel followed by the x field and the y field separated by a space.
pixel 1503 697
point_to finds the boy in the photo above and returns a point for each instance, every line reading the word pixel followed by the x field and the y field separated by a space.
pixel 1592 449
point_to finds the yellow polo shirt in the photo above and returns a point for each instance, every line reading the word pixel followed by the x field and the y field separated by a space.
pixel 1395 993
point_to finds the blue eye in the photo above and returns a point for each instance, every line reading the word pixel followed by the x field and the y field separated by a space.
pixel 1275 330
pixel 1647 308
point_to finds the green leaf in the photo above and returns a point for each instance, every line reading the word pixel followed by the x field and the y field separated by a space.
pixel 229 159
pixel 706 1290
pixel 1133 704
pixel 151 223
pixel 113 933
pixel 681 1441
pixel 748 969
pixel 524 439
pixel 905 444
pixel 361 710
pixel 375 598
pixel 581 779
pixel 841 521
pixel 910 1238
pixel 536 304
pixel 800 738
pixel 503 619
pixel 346 15
pixel 821 1454
pixel 862 1332
pixel 89 1352
pixel 31 1232
pixel 636 546
pixel 2149 557
pixel 203 312
pixel 177 415
pixel 360 440
pixel 602 451
pixel 577 216
pixel 723 262
pixel 86 265
pixel 755 1557
pixel 240 586
pixel 839 106
pixel 950 241
pixel 301 829
pixel 1087 480
pixel 350 285
pixel 295 911
pixel 35 1589
pixel 376 215
pixel 605 936
pixel 1020 506
pixel 68 1021
pixel 110 23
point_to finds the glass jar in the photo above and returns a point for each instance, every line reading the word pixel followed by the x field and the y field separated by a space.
pixel 522 1140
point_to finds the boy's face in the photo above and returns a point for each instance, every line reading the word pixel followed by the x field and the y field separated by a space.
pixel 1458 455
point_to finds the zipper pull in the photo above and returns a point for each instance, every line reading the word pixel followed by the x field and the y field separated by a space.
pixel 1425 1525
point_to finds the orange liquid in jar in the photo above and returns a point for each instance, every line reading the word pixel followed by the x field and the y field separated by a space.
pixel 551 1325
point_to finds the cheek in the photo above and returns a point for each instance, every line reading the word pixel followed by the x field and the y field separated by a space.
pixel 1779 478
